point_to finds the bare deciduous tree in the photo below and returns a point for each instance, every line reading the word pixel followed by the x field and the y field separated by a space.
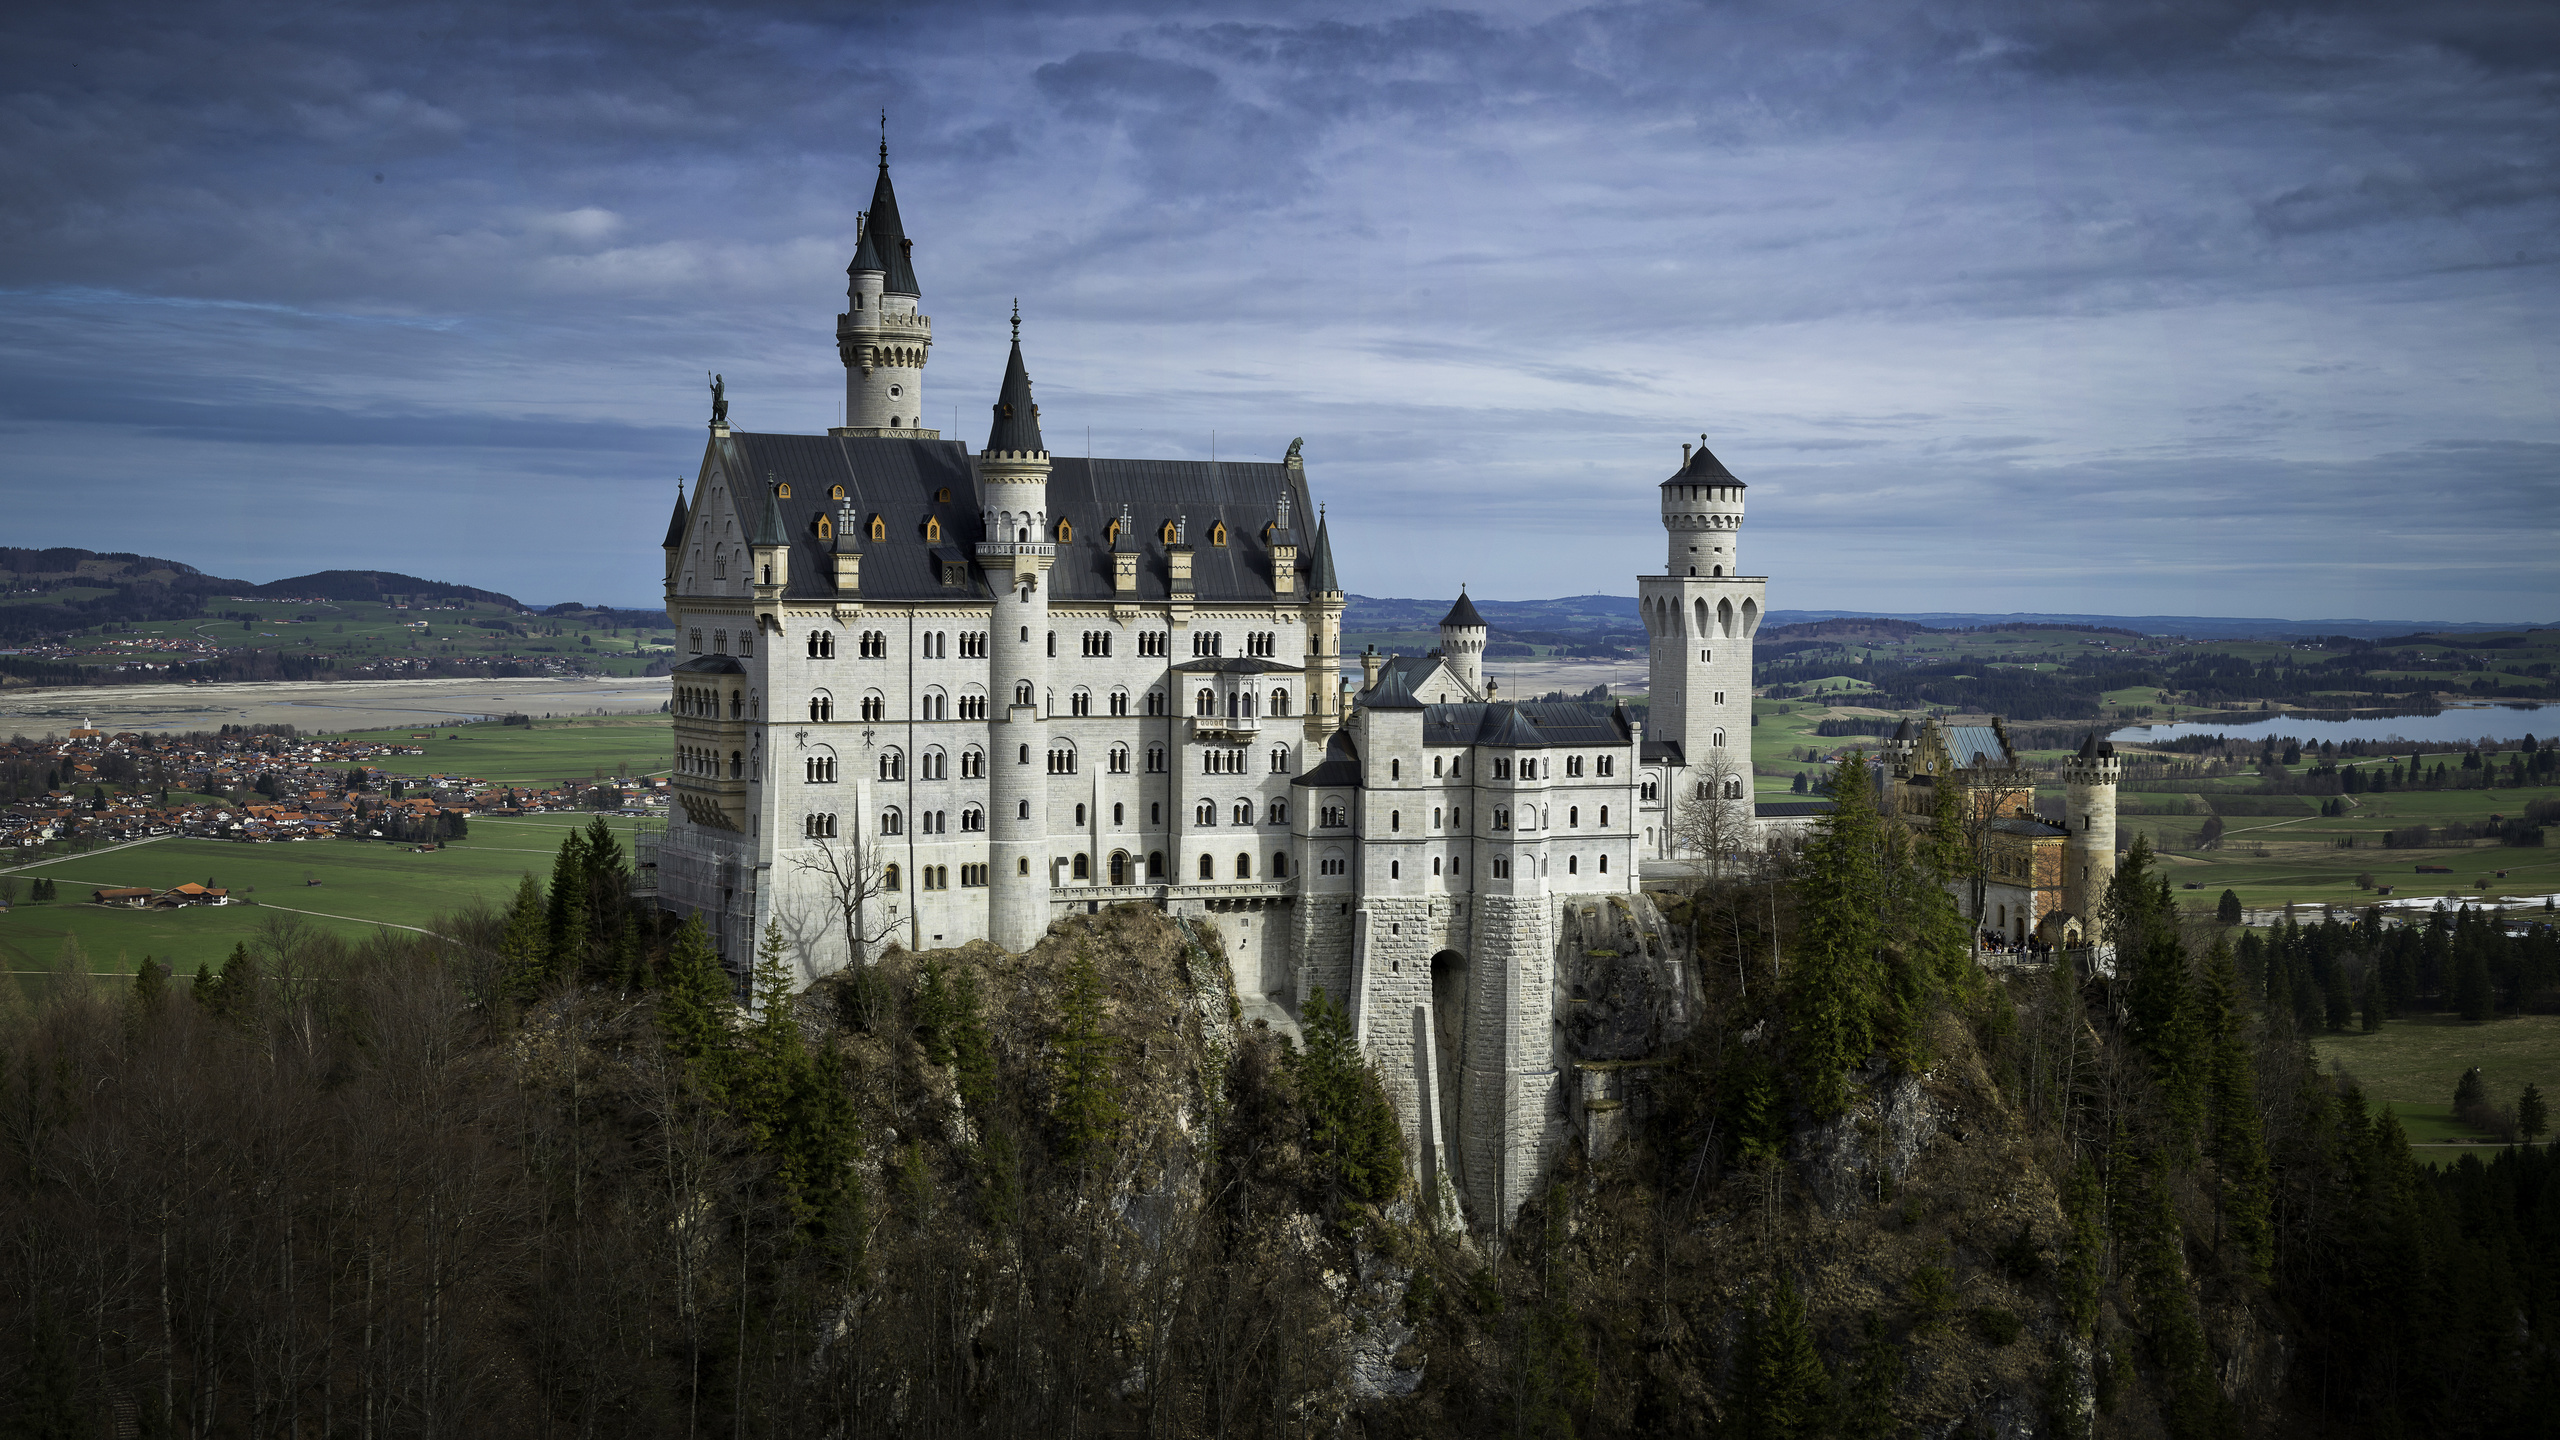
pixel 1713 825
pixel 858 892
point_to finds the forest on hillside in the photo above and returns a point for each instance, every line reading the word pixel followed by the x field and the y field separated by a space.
pixel 546 1177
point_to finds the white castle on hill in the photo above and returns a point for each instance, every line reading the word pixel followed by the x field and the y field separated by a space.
pixel 932 696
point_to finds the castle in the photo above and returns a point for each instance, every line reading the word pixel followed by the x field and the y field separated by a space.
pixel 930 695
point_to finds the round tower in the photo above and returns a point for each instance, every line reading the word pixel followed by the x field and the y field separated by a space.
pixel 1013 482
pixel 1702 508
pixel 881 338
pixel 2089 852
pixel 1462 644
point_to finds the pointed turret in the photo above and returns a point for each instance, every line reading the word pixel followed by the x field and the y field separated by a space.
pixel 676 523
pixel 1462 637
pixel 769 529
pixel 1324 581
pixel 1462 616
pixel 887 237
pixel 1017 421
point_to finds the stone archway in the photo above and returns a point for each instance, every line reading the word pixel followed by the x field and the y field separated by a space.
pixel 1448 1048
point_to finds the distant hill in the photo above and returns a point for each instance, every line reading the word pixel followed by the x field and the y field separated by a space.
pixel 1618 612
pixel 381 585
pixel 52 592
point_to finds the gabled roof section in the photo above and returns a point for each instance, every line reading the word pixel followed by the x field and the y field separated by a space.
pixel 1340 766
pixel 676 523
pixel 1968 745
pixel 1403 680
pixel 1324 580
pixel 887 236
pixel 1704 469
pixel 1462 616
pixel 1530 725
pixel 769 529
pixel 904 482
pixel 1017 421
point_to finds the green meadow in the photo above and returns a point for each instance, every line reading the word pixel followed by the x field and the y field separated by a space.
pixel 541 754
pixel 360 885
pixel 2412 1066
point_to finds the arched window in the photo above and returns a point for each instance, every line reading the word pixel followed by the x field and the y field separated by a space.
pixel 819 827
pixel 1395 869
pixel 1732 788
pixel 1719 740
pixel 1119 759
pixel 1244 867
pixel 1244 812
pixel 1604 817
pixel 1205 703
pixel 1279 759
pixel 1276 813
pixel 973 764
pixel 1022 810
pixel 889 877
pixel 1119 702
pixel 1022 692
pixel 1573 864
pixel 1083 867
pixel 1395 819
pixel 1573 817
pixel 1604 864
pixel 1155 864
pixel 893 764
pixel 1208 868
pixel 1080 702
pixel 1206 813
pixel 891 822
pixel 1279 865
pixel 1279 702
pixel 973 818
pixel 936 765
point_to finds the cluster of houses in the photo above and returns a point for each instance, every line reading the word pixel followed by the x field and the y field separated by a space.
pixel 129 897
pixel 256 786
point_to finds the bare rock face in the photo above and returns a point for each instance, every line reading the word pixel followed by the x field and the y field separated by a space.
pixel 1871 1148
pixel 1625 996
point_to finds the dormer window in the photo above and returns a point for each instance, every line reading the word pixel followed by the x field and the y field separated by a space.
pixel 826 528
pixel 1167 535
pixel 783 490
pixel 1218 534
pixel 1066 532
pixel 879 528
pixel 933 527
pixel 836 493
pixel 1111 533
pixel 942 496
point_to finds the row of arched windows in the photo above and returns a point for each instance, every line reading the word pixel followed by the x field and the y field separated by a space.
pixel 704 702
pixel 1242 813
pixel 696 760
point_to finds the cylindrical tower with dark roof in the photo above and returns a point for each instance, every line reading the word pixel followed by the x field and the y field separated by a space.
pixel 881 337
pixel 1013 485
pixel 2089 852
pixel 1701 614
pixel 1462 644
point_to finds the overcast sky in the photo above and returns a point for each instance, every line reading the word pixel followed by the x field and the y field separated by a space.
pixel 2108 307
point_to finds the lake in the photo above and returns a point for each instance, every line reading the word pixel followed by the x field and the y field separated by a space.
pixel 2451 725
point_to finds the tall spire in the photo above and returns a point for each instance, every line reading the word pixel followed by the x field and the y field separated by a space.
pixel 677 522
pixel 884 233
pixel 1017 420
pixel 1323 581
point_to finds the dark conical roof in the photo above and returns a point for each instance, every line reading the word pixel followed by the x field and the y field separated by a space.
pixel 1017 424
pixel 1704 469
pixel 866 256
pixel 1462 616
pixel 1324 579
pixel 887 236
pixel 769 529
pixel 2089 746
pixel 1902 732
pixel 677 522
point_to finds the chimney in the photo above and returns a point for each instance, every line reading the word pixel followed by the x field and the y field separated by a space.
pixel 1369 668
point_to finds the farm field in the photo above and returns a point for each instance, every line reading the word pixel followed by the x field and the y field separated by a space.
pixel 360 631
pixel 542 753
pixel 361 886
pixel 2412 1065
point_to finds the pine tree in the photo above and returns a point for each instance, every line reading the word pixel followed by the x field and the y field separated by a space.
pixel 2471 994
pixel 150 986
pixel 933 1011
pixel 1085 1104
pixel 696 1003
pixel 1786 1393
pixel 2084 1254
pixel 2227 911
pixel 567 921
pixel 235 996
pixel 2532 1117
pixel 524 947
pixel 205 986
pixel 1834 987
pixel 1352 1126
pixel 1865 1408
pixel 2238 1141
pixel 2370 1002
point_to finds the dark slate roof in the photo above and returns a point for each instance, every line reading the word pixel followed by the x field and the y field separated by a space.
pixel 676 523
pixel 711 665
pixel 1663 752
pixel 1966 743
pixel 1235 665
pixel 1340 766
pixel 2092 748
pixel 866 256
pixel 1017 422
pixel 889 236
pixel 1523 726
pixel 1396 679
pixel 1462 615
pixel 1704 469
pixel 1323 579
pixel 769 529
pixel 1902 732
pixel 2021 825
pixel 898 480
pixel 1790 809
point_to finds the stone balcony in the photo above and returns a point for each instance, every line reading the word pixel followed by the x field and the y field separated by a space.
pixel 1227 730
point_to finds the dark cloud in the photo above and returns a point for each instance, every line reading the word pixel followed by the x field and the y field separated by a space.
pixel 2111 292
